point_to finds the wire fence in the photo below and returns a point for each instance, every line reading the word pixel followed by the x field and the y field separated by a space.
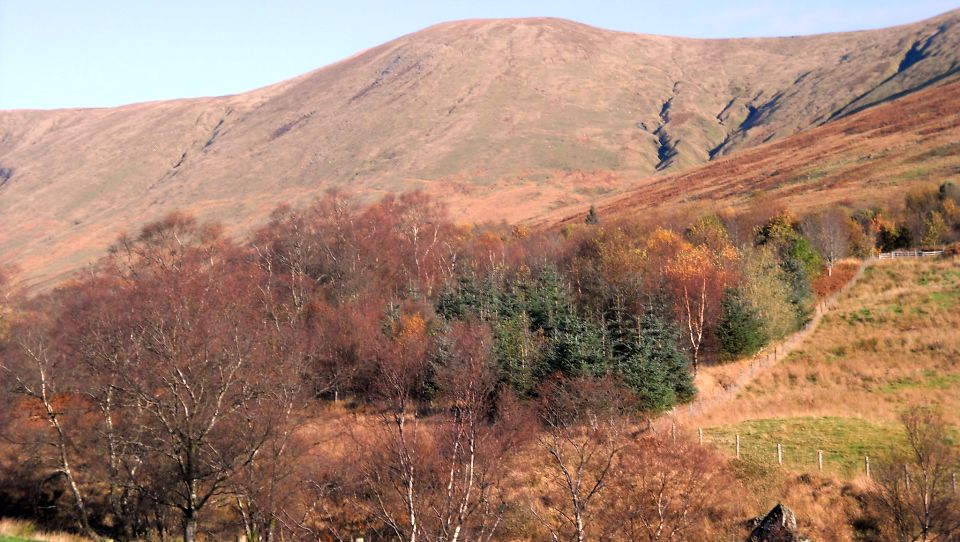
pixel 764 452
pixel 769 356
pixel 909 254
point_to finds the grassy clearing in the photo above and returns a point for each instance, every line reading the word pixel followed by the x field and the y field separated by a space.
pixel 890 342
pixel 844 442
pixel 15 530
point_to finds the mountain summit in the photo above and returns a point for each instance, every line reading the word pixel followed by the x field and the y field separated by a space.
pixel 501 118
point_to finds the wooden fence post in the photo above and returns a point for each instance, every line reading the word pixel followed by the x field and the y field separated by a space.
pixel 820 460
pixel 700 431
pixel 866 465
pixel 738 446
pixel 906 477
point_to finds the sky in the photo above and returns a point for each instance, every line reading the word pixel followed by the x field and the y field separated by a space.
pixel 98 53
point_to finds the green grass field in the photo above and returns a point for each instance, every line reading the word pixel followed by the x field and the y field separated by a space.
pixel 844 442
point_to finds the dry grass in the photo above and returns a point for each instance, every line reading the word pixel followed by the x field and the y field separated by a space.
pixel 514 120
pixel 870 157
pixel 15 530
pixel 891 341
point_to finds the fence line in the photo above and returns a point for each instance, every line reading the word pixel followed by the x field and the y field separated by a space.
pixel 909 254
pixel 767 357
pixel 818 458
pixel 798 458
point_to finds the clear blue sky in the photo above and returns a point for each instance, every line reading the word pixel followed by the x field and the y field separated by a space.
pixel 101 53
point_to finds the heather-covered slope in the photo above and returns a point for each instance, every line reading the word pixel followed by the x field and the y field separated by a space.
pixel 504 119
pixel 867 158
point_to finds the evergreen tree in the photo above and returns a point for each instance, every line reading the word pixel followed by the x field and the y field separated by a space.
pixel 546 301
pixel 739 330
pixel 486 300
pixel 519 353
pixel 576 348
pixel 592 217
pixel 648 358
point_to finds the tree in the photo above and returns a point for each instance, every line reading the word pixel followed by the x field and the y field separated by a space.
pixel 766 288
pixel 828 231
pixel 698 278
pixel 799 261
pixel 519 352
pixel 667 489
pixel 582 439
pixel 648 358
pixel 913 490
pixel 439 479
pixel 891 237
pixel 919 202
pixel 37 373
pixel 592 218
pixel 198 370
pixel 709 231
pixel 935 228
pixel 739 330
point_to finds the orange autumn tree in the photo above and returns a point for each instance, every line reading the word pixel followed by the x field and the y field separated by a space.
pixel 695 276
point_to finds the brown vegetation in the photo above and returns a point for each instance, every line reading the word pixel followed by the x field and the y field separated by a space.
pixel 504 120
pixel 499 382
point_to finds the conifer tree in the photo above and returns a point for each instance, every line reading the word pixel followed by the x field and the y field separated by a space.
pixel 740 330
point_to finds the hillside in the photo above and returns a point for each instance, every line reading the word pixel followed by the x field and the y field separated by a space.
pixel 883 347
pixel 503 119
pixel 869 157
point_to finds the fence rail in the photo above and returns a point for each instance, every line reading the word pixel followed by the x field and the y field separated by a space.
pixel 795 457
pixel 909 254
pixel 767 357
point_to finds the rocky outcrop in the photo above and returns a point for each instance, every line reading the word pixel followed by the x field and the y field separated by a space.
pixel 779 525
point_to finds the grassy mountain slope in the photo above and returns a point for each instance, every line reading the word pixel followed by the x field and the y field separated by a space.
pixel 868 157
pixel 505 119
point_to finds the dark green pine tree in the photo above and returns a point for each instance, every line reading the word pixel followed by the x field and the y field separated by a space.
pixel 519 353
pixel 592 217
pixel 576 348
pixel 546 301
pixel 648 358
pixel 485 299
pixel 739 330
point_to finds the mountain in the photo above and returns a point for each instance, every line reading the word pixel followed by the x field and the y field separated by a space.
pixel 866 158
pixel 503 119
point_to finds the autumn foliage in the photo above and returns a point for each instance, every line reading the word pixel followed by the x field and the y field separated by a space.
pixel 180 385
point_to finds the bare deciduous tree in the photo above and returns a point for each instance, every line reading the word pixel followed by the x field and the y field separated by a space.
pixel 830 234
pixel 582 438
pixel 198 364
pixel 667 490
pixel 439 479
pixel 913 488
pixel 37 374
